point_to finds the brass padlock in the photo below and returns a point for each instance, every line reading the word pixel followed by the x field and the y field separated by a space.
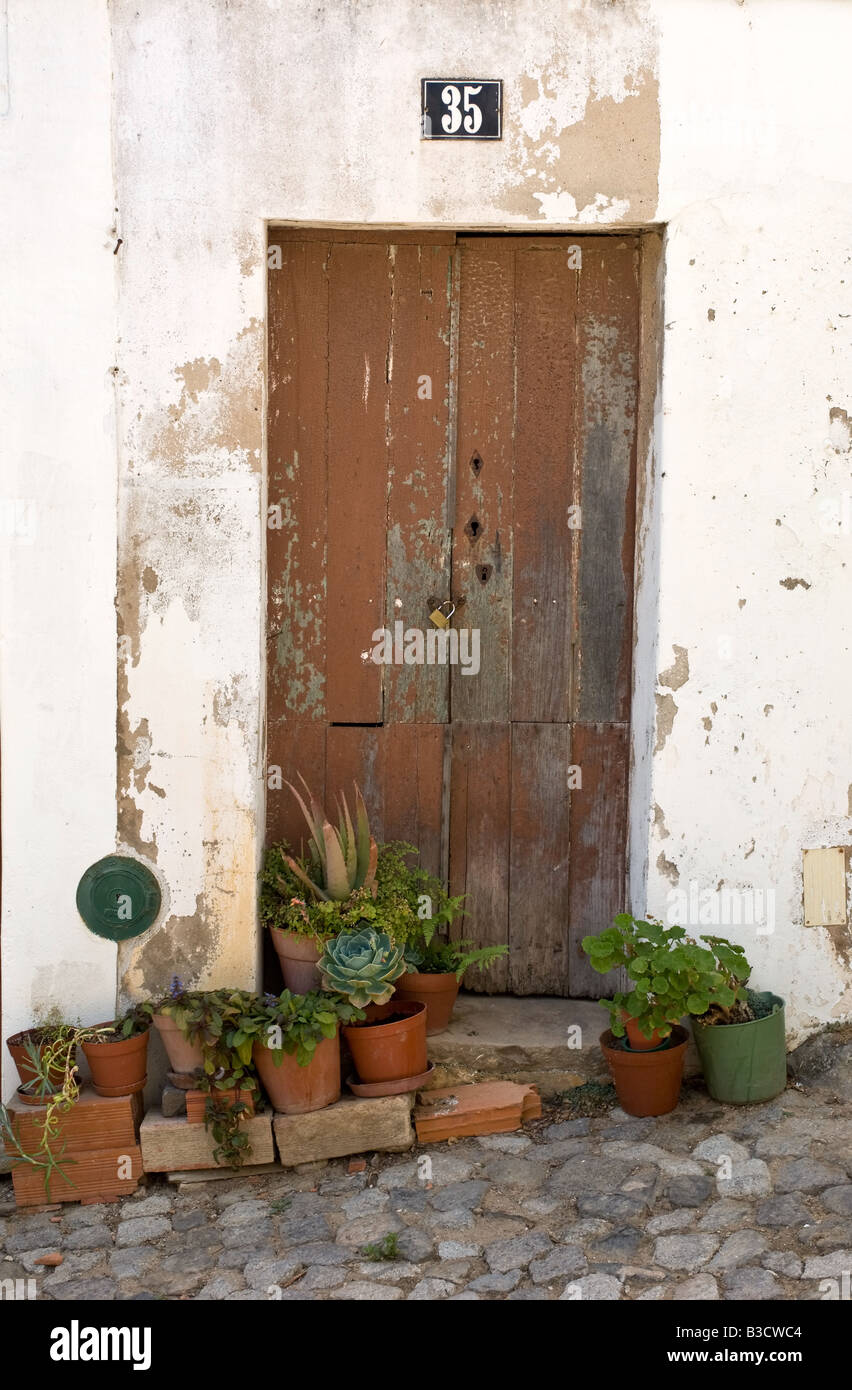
pixel 440 619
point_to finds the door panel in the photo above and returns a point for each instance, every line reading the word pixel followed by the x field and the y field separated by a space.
pixel 457 417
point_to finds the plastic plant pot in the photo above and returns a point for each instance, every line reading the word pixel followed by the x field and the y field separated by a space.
pixel 389 1051
pixel 298 957
pixel 744 1063
pixel 646 1082
pixel 437 992
pixel 118 1067
pixel 295 1090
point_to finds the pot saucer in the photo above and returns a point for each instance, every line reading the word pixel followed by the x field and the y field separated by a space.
pixel 391 1088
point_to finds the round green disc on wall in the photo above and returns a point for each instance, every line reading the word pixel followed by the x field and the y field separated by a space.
pixel 118 897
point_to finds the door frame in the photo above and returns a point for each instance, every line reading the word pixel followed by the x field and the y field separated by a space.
pixel 646 551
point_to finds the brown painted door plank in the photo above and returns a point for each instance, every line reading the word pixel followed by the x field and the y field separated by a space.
pixel 540 842
pixel 486 408
pixel 479 841
pixel 400 772
pixel 296 523
pixel 598 847
pixel 608 375
pixel 418 536
pixel 359 333
pixel 413 792
pixel 293 747
pixel 545 486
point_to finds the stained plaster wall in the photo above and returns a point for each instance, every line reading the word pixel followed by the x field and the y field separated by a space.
pixel 725 121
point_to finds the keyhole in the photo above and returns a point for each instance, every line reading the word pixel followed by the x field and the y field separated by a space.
pixel 473 528
pixel 483 573
pixel 476 465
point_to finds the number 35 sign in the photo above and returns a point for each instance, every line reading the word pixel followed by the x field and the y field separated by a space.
pixel 461 108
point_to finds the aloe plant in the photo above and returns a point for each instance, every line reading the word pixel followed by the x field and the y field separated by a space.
pixel 363 966
pixel 342 859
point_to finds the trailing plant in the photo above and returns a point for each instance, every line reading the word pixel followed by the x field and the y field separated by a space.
pixel 51 1054
pixel 293 1023
pixel 211 1019
pixel 363 966
pixel 670 973
pixel 342 859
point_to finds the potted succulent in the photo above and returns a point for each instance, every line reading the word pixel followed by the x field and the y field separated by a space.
pixel 389 1047
pixel 670 976
pixel 293 1040
pixel 341 867
pixel 741 1038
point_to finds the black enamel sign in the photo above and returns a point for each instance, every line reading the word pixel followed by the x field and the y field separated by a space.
pixel 461 108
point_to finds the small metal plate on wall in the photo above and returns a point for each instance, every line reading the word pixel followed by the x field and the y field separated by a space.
pixel 118 897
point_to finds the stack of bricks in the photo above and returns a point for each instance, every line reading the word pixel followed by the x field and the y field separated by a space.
pixel 96 1145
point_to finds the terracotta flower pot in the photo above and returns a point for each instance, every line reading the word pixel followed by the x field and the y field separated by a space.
pixel 118 1068
pixel 294 1090
pixel 437 992
pixel 389 1051
pixel 196 1103
pixel 17 1047
pixel 647 1083
pixel 297 956
pixel 636 1038
pixel 184 1056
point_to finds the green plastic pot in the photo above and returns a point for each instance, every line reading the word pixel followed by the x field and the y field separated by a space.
pixel 744 1062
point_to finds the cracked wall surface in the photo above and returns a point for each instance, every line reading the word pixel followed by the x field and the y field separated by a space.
pixel 726 122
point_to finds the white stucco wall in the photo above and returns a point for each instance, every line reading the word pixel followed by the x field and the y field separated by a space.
pixel 725 121
pixel 57 506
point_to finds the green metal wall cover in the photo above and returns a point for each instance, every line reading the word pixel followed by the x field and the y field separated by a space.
pixel 118 897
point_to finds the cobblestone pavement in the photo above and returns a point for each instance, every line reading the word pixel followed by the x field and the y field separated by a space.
pixel 710 1202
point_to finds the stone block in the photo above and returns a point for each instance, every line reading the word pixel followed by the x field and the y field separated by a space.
pixel 351 1126
pixel 172 1144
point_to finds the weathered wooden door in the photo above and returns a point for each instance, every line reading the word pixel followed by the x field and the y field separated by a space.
pixel 455 417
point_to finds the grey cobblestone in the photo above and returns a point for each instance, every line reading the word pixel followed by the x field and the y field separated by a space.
pixel 604 1208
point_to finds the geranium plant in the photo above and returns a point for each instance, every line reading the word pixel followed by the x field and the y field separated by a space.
pixel 670 973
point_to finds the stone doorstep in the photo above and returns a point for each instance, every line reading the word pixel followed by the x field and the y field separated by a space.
pixel 525 1040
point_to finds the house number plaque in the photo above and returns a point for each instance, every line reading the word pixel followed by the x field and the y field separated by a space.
pixel 461 108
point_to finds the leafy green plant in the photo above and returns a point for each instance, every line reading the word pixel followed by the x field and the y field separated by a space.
pixel 385 1249
pixel 363 966
pixel 440 957
pixel 292 1023
pixel 211 1018
pixel 670 973
pixel 342 860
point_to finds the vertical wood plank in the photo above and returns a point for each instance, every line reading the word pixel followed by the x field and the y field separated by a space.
pixel 486 406
pixel 598 824
pixel 413 790
pixel 540 843
pixel 479 841
pixel 359 334
pixel 400 772
pixel 545 486
pixel 294 746
pixel 296 530
pixel 608 328
pixel 418 535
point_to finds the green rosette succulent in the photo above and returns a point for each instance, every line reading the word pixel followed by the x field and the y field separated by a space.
pixel 363 966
